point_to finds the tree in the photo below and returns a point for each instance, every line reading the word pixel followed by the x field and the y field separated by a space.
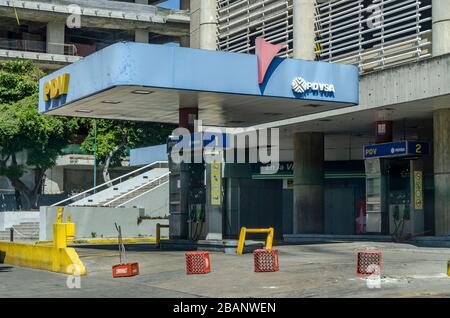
pixel 28 140
pixel 115 138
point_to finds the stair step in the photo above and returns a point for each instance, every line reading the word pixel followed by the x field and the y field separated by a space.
pixel 146 183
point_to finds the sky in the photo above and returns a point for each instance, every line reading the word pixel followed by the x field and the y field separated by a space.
pixel 171 4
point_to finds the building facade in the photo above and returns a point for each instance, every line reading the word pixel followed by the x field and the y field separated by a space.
pixel 373 164
pixel 401 49
pixel 54 34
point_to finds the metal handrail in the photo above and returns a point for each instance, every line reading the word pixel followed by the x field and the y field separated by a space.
pixel 110 182
pixel 136 189
pixel 37 46
pixel 142 194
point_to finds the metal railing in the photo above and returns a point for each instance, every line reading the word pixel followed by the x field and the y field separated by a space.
pixel 372 35
pixel 240 22
pixel 106 185
pixel 158 181
pixel 38 47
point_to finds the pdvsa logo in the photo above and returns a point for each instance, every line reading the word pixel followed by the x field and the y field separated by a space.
pixel 56 87
pixel 301 86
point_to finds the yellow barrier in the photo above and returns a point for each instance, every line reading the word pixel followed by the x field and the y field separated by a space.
pixel 244 231
pixel 158 233
pixel 51 258
pixel 56 258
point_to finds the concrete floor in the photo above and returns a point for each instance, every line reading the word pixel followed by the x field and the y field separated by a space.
pixel 319 270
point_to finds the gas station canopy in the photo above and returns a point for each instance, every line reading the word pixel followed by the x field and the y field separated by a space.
pixel 144 82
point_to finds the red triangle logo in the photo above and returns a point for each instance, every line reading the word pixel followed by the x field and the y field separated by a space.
pixel 265 52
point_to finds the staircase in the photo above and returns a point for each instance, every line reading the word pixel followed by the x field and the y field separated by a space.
pixel 120 191
pixel 25 231
pixel 121 199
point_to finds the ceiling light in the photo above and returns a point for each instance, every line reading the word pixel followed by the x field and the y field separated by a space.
pixel 110 102
pixel 142 92
pixel 86 111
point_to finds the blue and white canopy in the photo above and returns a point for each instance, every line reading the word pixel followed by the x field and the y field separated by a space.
pixel 145 82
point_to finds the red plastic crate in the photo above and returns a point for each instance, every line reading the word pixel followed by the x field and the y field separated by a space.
pixel 266 260
pixel 198 263
pixel 368 263
pixel 125 270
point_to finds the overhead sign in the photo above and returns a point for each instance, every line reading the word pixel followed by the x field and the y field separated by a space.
pixel 301 86
pixel 397 149
pixel 56 87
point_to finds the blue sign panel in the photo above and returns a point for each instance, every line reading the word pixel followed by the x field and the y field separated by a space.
pixel 397 149
pixel 200 141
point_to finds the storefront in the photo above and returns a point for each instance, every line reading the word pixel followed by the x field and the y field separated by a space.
pixel 129 81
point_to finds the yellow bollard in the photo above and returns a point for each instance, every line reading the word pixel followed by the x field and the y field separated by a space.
pixel 158 233
pixel 70 229
pixel 448 268
pixel 59 215
pixel 60 235
pixel 243 234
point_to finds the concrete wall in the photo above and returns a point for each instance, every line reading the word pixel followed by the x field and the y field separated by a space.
pixel 154 203
pixel 54 180
pixel 10 218
pixel 98 220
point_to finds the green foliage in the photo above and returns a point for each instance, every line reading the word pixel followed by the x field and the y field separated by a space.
pixel 23 129
pixel 28 140
pixel 114 138
pixel 18 79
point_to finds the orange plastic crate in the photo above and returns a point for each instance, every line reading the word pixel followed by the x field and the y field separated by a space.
pixel 266 260
pixel 368 263
pixel 198 263
pixel 125 270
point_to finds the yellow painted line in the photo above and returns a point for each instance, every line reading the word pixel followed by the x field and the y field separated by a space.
pixel 106 241
pixel 99 255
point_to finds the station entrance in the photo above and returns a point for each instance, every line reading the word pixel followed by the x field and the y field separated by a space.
pixel 396 189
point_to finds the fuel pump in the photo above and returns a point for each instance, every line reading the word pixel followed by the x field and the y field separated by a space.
pixel 394 188
pixel 399 178
pixel 196 200
pixel 187 195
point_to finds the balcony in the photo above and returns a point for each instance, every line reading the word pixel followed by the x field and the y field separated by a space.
pixel 45 52
pixel 103 14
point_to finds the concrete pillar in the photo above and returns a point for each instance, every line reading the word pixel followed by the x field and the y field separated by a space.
pixel 55 37
pixel 309 216
pixel 441 127
pixel 303 24
pixel 203 24
pixel 441 27
pixel 141 36
pixel 185 41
